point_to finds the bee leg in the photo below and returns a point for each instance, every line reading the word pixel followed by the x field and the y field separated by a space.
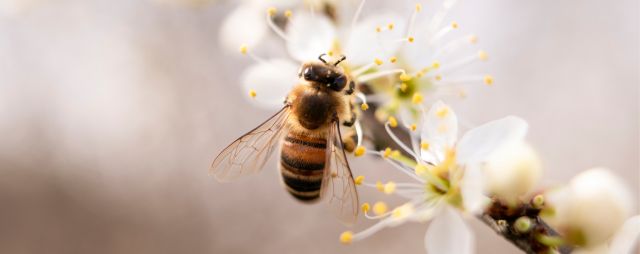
pixel 352 87
pixel 351 121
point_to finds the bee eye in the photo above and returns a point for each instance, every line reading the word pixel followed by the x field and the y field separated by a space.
pixel 310 74
pixel 338 83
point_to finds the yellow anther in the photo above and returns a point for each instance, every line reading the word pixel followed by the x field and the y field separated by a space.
pixel 421 169
pixel 403 87
pixel 393 59
pixel 488 80
pixel 365 207
pixel 359 180
pixel 395 154
pixel 360 150
pixel 252 93
pixel 244 49
pixel 405 77
pixel 424 145
pixel 364 106
pixel 379 186
pixel 454 25
pixel 379 208
pixel 386 153
pixel 473 39
pixel 378 61
pixel 378 29
pixel 483 55
pixel 448 162
pixel 402 211
pixel 346 237
pixel 417 98
pixel 390 26
pixel 420 74
pixel 288 13
pixel 435 64
pixel 411 39
pixel 389 187
pixel 272 11
pixel 330 53
pixel 438 77
pixel 418 7
pixel 442 112
pixel 413 127
pixel 393 122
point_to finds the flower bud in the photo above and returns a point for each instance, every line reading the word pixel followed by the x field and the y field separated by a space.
pixel 512 171
pixel 591 208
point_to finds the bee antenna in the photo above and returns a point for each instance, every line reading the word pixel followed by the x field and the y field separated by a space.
pixel 321 59
pixel 339 61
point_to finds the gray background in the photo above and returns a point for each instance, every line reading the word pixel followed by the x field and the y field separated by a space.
pixel 111 111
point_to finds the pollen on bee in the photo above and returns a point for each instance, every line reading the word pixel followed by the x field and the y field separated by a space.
pixel 454 25
pixel 417 98
pixel 272 11
pixel 252 93
pixel 386 153
pixel 359 180
pixel 346 237
pixel 393 122
pixel 488 80
pixel 442 112
pixel 244 49
pixel 379 186
pixel 288 13
pixel 360 150
pixel 473 39
pixel 403 87
pixel 379 208
pixel 365 207
pixel 390 26
pixel 418 7
pixel 364 106
pixel 389 187
pixel 411 39
pixel 482 55
pixel 405 77
pixel 378 61
pixel 393 59
pixel 424 145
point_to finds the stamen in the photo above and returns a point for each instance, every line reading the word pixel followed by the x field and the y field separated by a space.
pixel 365 207
pixel 359 180
pixel 401 168
pixel 453 45
pixel 440 15
pixel 252 93
pixel 356 16
pixel 364 106
pixel 369 77
pixel 363 69
pixel 393 122
pixel 389 187
pixel 400 143
pixel 481 55
pixel 393 59
pixel 288 13
pixel 417 98
pixel 360 150
pixel 245 51
pixel 270 13
pixel 346 237
pixel 359 132
pixel 412 20
pixel 443 32
pixel 488 80
pixel 380 208
pixel 390 26
pixel 378 62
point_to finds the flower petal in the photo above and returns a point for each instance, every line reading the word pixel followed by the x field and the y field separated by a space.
pixel 245 25
pixel 439 130
pixel 309 36
pixel 448 234
pixel 477 144
pixel 271 80
pixel 626 238
pixel 364 44
pixel 472 189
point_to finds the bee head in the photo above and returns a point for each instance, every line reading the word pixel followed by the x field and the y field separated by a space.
pixel 324 74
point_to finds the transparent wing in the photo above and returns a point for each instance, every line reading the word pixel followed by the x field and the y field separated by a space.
pixel 248 154
pixel 338 187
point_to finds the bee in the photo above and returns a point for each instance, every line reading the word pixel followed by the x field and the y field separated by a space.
pixel 313 162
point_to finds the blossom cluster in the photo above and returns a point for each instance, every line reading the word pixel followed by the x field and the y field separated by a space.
pixel 405 64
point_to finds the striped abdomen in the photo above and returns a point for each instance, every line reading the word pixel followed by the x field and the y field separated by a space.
pixel 302 162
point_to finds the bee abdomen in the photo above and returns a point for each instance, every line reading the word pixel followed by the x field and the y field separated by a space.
pixel 302 162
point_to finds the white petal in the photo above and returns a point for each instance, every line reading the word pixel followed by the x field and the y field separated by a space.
pixel 472 190
pixel 271 80
pixel 439 130
pixel 364 44
pixel 448 234
pixel 626 237
pixel 246 25
pixel 309 36
pixel 477 144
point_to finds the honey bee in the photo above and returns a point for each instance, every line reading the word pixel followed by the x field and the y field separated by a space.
pixel 313 163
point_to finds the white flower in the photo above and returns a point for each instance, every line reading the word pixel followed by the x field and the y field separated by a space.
pixel 512 171
pixel 448 175
pixel 590 210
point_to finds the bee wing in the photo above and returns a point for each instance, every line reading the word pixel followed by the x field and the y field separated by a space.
pixel 338 187
pixel 248 154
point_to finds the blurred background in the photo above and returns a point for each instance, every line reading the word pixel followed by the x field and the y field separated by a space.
pixel 112 110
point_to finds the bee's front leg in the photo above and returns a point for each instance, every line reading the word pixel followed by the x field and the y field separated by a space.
pixel 352 88
pixel 351 121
